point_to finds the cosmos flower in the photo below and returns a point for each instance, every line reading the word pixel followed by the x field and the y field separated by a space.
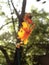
pixel 21 34
pixel 26 29
pixel 24 32
pixel 25 24
pixel 27 18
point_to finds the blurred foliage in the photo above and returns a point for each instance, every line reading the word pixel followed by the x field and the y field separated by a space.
pixel 38 40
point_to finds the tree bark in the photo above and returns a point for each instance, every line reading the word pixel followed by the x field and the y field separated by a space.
pixel 18 56
pixel 6 55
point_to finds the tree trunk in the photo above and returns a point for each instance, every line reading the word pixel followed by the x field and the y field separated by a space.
pixel 18 56
pixel 18 51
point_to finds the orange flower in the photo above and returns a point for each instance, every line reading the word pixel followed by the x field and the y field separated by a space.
pixel 27 18
pixel 21 33
pixel 29 21
pixel 25 31
pixel 26 34
pixel 25 24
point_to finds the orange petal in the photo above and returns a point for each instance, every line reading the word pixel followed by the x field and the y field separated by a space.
pixel 25 41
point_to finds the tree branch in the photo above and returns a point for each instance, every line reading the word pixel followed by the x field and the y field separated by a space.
pixel 6 55
pixel 15 9
pixel 21 16
pixel 5 25
pixel 14 27
pixel 23 8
